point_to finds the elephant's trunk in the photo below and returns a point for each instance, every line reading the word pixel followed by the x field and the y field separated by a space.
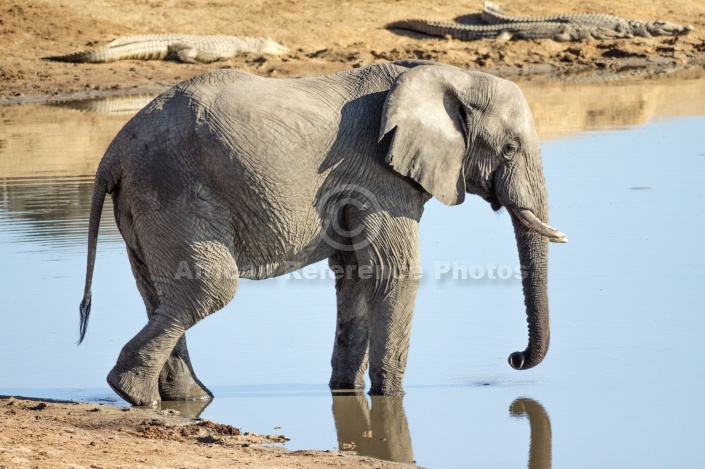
pixel 533 256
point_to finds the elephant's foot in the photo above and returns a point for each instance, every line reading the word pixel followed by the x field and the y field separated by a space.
pixel 382 391
pixel 347 373
pixel 338 383
pixel 134 388
pixel 178 383
pixel 386 385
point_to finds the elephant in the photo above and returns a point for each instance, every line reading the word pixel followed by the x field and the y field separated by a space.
pixel 228 175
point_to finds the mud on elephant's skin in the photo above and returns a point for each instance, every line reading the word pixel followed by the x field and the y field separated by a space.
pixel 230 172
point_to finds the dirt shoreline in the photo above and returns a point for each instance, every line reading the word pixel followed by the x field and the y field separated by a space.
pixel 52 434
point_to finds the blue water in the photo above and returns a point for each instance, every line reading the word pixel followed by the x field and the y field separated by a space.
pixel 621 385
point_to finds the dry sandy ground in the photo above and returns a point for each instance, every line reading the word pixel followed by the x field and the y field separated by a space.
pixel 51 435
pixel 324 36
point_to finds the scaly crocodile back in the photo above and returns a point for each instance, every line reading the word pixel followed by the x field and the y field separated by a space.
pixel 466 32
pixel 602 26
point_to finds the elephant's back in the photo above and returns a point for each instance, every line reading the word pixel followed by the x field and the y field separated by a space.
pixel 264 150
pixel 261 143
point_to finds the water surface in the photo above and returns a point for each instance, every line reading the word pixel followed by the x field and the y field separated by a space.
pixel 621 386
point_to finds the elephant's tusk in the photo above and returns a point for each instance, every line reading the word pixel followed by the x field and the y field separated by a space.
pixel 530 220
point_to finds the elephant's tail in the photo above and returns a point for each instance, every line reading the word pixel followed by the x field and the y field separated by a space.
pixel 99 191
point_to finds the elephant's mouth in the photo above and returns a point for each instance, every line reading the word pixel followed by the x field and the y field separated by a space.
pixel 488 194
pixel 524 215
pixel 531 221
pixel 493 201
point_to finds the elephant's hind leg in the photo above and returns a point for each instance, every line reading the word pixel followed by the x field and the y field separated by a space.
pixel 134 376
pixel 177 380
pixel 193 276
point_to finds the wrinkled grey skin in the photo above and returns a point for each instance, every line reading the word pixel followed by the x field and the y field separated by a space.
pixel 230 175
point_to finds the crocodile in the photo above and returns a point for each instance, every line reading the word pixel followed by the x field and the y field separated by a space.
pixel 493 14
pixel 182 47
pixel 568 27
pixel 558 31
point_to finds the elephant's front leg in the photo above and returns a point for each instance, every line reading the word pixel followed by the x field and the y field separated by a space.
pixel 391 311
pixel 349 361
pixel 389 266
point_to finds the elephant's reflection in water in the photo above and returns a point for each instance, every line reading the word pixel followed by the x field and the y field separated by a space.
pixel 380 432
pixel 541 441
pixel 187 409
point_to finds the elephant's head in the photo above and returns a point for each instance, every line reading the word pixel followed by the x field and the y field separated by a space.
pixel 458 132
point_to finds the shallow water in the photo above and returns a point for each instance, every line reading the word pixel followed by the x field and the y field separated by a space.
pixel 621 385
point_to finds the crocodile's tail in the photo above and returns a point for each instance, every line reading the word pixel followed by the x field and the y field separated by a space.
pixel 80 57
pixel 431 28
pixel 464 32
pixel 100 189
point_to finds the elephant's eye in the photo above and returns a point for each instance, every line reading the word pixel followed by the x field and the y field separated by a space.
pixel 510 149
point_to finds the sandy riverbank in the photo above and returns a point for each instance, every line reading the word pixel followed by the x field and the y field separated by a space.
pixel 323 37
pixel 48 435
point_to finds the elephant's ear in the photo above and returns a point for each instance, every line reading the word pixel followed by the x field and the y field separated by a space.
pixel 430 140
